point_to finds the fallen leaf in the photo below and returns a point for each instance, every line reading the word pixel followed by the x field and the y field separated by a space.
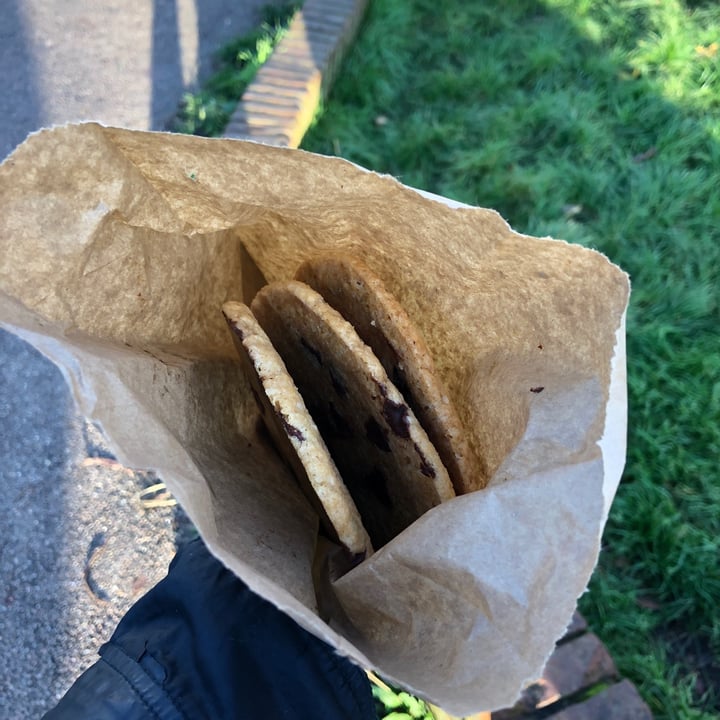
pixel 647 603
pixel 651 152
pixel 707 51
pixel 570 211
pixel 108 463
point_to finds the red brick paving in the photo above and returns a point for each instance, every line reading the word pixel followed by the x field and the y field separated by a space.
pixel 580 682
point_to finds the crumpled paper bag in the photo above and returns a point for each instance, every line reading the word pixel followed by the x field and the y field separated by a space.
pixel 117 251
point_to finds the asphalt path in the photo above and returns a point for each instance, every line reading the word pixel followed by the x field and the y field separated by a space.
pixel 77 545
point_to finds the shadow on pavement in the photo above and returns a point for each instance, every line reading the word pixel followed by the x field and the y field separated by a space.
pixel 177 25
pixel 37 440
pixel 20 105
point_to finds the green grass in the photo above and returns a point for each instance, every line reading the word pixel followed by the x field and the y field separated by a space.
pixel 208 111
pixel 396 704
pixel 596 121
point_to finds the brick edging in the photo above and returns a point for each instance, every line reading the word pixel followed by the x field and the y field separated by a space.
pixel 580 682
pixel 279 104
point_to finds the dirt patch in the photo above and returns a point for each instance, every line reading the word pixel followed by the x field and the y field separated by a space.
pixel 697 658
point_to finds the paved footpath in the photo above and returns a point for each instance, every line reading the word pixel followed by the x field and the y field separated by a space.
pixel 77 545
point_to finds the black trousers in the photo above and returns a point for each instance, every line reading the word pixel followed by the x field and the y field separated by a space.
pixel 201 645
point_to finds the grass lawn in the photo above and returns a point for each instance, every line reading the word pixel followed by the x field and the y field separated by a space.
pixel 596 121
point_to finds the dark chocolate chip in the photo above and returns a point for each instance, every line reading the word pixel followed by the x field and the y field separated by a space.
pixel 425 467
pixel 235 328
pixel 376 434
pixel 396 416
pixel 290 430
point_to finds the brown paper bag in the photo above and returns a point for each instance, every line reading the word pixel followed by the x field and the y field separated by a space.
pixel 117 251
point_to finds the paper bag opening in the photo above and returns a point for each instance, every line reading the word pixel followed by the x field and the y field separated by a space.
pixel 118 251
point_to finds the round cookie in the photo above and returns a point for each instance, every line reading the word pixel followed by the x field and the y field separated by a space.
pixel 294 432
pixel 350 287
pixel 391 468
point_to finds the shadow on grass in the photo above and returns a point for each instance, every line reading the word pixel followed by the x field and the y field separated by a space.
pixel 597 123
